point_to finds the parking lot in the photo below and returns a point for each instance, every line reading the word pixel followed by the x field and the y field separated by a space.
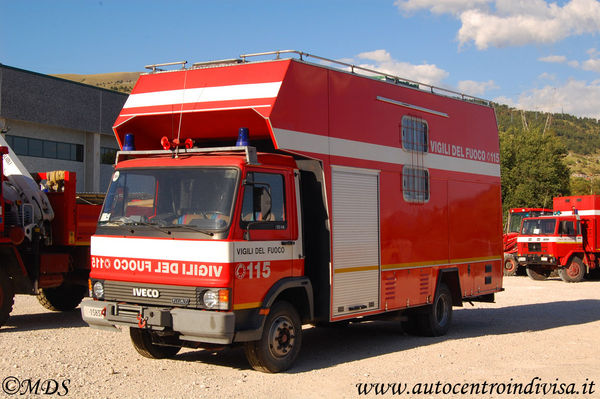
pixel 537 332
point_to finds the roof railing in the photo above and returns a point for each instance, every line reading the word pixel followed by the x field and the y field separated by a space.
pixel 388 77
pixel 155 67
pixel 355 69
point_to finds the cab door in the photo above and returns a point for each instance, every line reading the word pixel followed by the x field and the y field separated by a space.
pixel 268 220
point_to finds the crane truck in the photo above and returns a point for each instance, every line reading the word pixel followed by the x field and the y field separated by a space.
pixel 44 235
pixel 255 195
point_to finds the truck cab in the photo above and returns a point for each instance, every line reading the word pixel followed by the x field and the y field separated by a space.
pixel 512 229
pixel 550 242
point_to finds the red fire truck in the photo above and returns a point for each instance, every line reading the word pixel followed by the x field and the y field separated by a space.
pixel 347 197
pixel 511 232
pixel 44 236
pixel 566 241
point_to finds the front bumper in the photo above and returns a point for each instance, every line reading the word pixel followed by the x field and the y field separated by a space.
pixel 193 325
pixel 537 259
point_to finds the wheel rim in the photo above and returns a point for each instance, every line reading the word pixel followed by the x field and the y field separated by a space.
pixel 510 266
pixel 281 337
pixel 574 269
pixel 441 315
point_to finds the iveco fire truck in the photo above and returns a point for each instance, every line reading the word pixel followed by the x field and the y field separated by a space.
pixel 567 240
pixel 253 196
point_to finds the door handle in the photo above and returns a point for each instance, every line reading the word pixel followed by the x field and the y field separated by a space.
pixel 287 242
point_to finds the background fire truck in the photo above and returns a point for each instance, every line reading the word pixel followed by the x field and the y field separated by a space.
pixel 44 236
pixel 347 198
pixel 511 232
pixel 566 241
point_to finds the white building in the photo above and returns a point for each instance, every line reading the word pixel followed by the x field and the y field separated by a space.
pixel 57 124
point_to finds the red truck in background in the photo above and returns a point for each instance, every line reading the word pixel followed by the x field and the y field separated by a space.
pixel 44 236
pixel 346 197
pixel 511 232
pixel 567 240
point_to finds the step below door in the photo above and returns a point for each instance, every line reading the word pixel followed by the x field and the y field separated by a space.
pixel 356 253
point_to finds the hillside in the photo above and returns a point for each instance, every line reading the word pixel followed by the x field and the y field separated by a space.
pixel 118 81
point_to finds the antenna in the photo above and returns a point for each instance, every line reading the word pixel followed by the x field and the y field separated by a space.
pixel 181 111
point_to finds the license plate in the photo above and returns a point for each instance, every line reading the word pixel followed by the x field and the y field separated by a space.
pixel 93 313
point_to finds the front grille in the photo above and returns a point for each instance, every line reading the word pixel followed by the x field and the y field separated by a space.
pixel 169 295
pixel 534 247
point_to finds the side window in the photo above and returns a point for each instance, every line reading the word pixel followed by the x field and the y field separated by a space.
pixel 414 134
pixel 415 184
pixel 264 202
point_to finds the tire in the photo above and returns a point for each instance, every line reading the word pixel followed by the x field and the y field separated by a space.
pixel 7 297
pixel 537 273
pixel 280 342
pixel 574 273
pixel 142 342
pixel 510 267
pixel 438 316
pixel 63 298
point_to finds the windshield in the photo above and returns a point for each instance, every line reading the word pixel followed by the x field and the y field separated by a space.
pixel 515 218
pixel 538 226
pixel 186 197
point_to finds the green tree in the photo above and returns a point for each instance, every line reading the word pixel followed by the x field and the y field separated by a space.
pixel 533 168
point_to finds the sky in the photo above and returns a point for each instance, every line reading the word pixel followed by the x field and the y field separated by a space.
pixel 537 55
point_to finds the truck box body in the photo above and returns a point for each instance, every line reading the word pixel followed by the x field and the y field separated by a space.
pixel 385 186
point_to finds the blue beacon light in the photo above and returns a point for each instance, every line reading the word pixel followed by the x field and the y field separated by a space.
pixel 242 140
pixel 129 142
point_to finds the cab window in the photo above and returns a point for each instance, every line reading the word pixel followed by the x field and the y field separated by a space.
pixel 263 205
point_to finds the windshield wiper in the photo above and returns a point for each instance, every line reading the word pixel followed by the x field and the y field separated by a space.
pixel 128 221
pixel 185 226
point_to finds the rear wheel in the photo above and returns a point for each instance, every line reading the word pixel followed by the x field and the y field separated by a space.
pixel 7 296
pixel 142 342
pixel 510 267
pixel 280 342
pixel 63 298
pixel 538 273
pixel 436 321
pixel 574 273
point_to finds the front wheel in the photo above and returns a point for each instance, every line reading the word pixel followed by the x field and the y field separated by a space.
pixel 574 273
pixel 280 342
pixel 142 342
pixel 62 298
pixel 7 296
pixel 538 273
pixel 436 321
pixel 510 267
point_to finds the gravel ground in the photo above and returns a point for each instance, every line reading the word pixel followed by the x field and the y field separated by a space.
pixel 546 329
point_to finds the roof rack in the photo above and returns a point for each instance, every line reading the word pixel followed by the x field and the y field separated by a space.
pixel 388 77
pixel 355 69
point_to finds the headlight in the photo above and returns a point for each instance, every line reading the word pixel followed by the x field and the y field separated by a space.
pixel 215 298
pixel 98 290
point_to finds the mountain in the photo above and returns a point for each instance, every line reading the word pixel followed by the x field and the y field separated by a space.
pixel 580 136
